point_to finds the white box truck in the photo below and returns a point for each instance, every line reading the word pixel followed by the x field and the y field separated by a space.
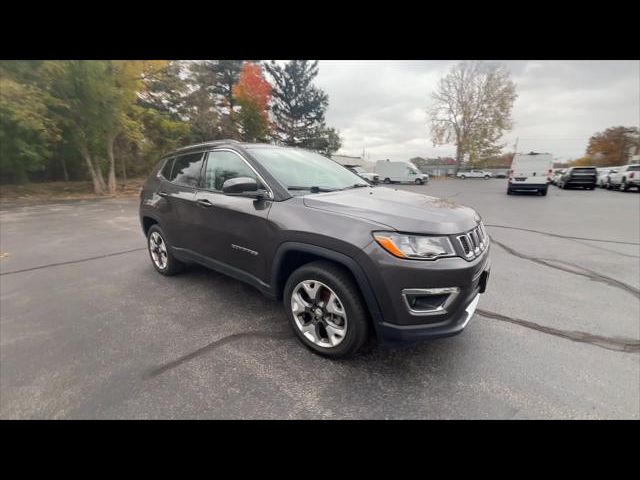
pixel 530 172
pixel 390 172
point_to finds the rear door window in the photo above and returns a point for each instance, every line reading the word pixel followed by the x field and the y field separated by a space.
pixel 186 169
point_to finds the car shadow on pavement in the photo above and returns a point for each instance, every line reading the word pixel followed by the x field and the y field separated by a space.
pixel 373 356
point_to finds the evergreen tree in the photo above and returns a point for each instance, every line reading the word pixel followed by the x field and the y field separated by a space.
pixel 166 89
pixel 299 106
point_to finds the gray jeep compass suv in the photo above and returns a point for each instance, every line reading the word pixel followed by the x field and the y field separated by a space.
pixel 347 259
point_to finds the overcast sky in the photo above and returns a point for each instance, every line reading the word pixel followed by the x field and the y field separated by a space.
pixel 381 105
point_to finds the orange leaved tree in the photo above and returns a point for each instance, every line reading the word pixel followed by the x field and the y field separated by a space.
pixel 252 93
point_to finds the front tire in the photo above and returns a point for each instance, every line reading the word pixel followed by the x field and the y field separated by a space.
pixel 623 185
pixel 419 182
pixel 160 252
pixel 325 309
pixel 387 181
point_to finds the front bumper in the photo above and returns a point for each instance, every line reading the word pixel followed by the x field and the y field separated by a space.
pixel 390 276
pixel 402 334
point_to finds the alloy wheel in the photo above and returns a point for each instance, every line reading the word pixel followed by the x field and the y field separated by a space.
pixel 158 250
pixel 319 313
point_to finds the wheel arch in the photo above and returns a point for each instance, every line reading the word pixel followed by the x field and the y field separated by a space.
pixel 147 221
pixel 292 255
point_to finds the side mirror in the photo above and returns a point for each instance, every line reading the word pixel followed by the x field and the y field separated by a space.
pixel 242 187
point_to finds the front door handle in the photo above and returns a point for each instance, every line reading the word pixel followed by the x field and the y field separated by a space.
pixel 203 202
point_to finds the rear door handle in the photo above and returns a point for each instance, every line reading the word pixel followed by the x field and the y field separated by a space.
pixel 163 194
pixel 203 202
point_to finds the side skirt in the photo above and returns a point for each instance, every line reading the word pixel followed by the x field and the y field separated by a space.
pixel 191 256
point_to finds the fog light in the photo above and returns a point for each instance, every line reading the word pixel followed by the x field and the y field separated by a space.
pixel 429 301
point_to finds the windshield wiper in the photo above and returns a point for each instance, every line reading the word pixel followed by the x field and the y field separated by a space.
pixel 356 185
pixel 313 189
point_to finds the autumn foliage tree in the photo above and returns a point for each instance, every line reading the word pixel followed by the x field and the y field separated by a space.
pixel 611 147
pixel 252 94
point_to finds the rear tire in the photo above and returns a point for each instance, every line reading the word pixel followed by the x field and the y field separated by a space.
pixel 462 177
pixel 160 252
pixel 487 177
pixel 335 279
pixel 387 181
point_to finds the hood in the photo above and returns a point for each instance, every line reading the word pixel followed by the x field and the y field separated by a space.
pixel 399 209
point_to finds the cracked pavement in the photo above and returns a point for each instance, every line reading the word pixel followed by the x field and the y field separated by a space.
pixel 89 330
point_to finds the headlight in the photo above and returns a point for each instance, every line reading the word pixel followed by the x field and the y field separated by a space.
pixel 416 247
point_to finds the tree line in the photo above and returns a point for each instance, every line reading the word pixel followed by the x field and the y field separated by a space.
pixel 106 120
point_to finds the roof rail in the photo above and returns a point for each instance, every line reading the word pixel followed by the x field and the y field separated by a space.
pixel 204 144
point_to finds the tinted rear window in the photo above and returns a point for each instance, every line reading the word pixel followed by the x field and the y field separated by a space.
pixel 585 170
pixel 186 169
pixel 634 168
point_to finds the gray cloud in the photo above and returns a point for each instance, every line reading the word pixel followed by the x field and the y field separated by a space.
pixel 381 105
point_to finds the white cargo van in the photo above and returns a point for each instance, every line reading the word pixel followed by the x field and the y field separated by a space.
pixel 390 172
pixel 530 172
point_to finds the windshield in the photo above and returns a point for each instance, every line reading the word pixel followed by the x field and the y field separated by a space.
pixel 358 169
pixel 299 169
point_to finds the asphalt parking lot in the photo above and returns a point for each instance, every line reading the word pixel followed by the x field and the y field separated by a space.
pixel 88 329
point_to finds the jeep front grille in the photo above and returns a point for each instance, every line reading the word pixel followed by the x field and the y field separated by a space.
pixel 473 242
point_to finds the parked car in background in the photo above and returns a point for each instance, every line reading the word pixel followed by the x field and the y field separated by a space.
pixel 361 172
pixel 557 173
pixel 398 172
pixel 501 174
pixel 474 174
pixel 625 177
pixel 584 177
pixel 530 172
pixel 347 261
pixel 603 175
